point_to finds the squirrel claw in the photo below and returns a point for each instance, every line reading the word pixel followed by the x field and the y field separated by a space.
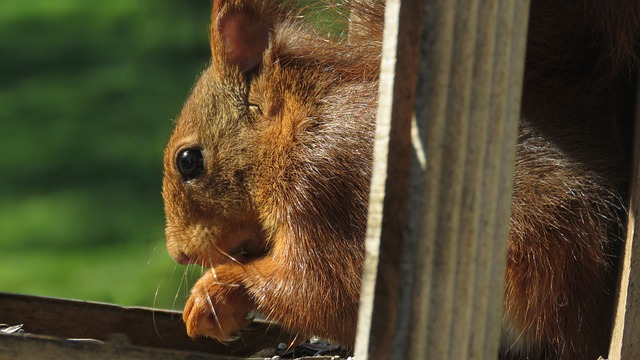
pixel 215 311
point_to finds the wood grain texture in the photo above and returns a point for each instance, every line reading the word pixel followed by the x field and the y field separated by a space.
pixel 625 340
pixel 378 323
pixel 45 348
pixel 442 275
pixel 115 332
pixel 468 113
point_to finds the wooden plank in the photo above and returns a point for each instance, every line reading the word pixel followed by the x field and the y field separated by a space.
pixel 28 347
pixel 132 326
pixel 377 323
pixel 435 289
pixel 472 69
pixel 625 340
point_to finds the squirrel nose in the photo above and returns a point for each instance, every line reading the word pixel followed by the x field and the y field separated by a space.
pixel 184 259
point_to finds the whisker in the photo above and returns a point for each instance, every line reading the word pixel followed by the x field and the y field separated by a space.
pixel 216 282
pixel 215 275
pixel 293 342
pixel 225 254
pixel 154 303
pixel 155 299
pixel 225 284
pixel 183 280
pixel 215 315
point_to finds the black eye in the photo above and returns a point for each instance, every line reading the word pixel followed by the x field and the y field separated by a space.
pixel 190 164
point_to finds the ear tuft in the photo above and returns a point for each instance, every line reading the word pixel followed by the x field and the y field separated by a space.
pixel 239 35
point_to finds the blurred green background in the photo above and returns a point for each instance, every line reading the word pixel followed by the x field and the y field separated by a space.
pixel 87 93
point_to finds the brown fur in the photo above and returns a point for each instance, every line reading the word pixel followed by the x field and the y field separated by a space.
pixel 571 175
pixel 284 118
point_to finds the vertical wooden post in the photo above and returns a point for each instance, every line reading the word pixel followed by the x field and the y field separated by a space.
pixel 432 286
pixel 377 324
pixel 625 341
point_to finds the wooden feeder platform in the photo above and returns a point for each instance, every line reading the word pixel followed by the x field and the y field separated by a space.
pixel 50 328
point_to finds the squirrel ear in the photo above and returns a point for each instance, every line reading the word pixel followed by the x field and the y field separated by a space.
pixel 239 33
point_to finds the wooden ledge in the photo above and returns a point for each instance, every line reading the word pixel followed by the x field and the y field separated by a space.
pixel 61 328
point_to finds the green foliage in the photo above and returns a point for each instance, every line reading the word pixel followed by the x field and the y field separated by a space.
pixel 87 93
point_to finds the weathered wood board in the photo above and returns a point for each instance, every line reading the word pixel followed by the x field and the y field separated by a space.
pixel 60 329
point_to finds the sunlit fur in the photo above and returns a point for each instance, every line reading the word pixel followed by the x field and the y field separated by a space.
pixel 285 123
pixel 287 151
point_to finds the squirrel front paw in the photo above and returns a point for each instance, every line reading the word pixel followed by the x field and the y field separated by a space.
pixel 216 309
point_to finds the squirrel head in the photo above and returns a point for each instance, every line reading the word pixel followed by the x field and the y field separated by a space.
pixel 212 156
pixel 273 142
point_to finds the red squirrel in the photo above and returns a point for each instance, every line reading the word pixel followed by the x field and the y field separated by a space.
pixel 266 174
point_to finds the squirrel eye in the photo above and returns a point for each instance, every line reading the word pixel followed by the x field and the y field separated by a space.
pixel 190 164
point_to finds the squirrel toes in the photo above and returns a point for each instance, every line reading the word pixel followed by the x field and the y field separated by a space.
pixel 266 174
